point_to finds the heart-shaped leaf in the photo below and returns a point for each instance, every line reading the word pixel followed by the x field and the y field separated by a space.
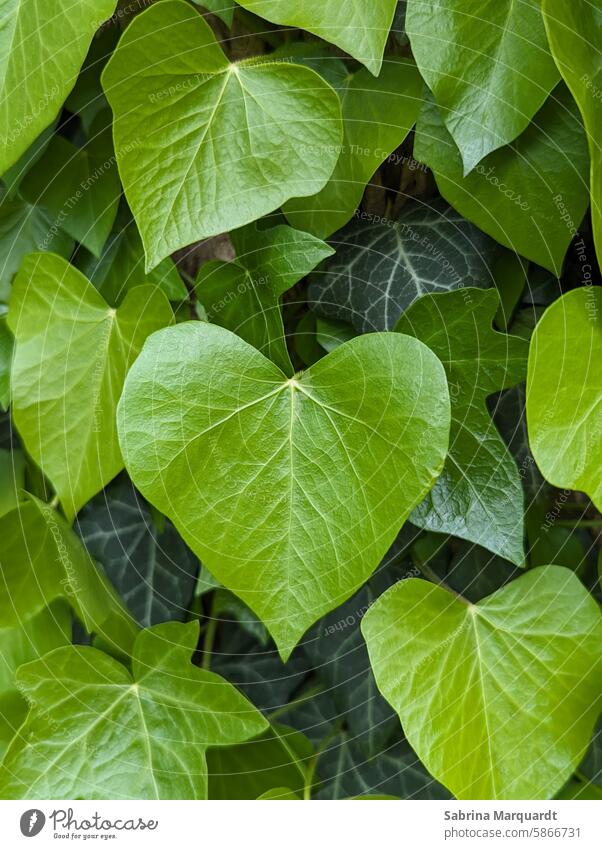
pixel 42 46
pixel 97 731
pixel 205 145
pixel 479 494
pixel 72 352
pixel 499 698
pixel 381 267
pixel 474 62
pixel 327 466
pixel 564 392
pixel 360 27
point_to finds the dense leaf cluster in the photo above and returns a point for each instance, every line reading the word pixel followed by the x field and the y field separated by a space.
pixel 300 399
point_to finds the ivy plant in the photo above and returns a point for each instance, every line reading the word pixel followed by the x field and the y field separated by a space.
pixel 300 400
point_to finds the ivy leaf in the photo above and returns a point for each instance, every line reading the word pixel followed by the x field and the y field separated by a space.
pixel 345 772
pixel 576 44
pixel 120 266
pixel 48 629
pixel 479 496
pixel 32 93
pixel 43 561
pixel 328 466
pixel 378 113
pixel 244 295
pixel 97 731
pixel 510 194
pixel 379 269
pixel 280 757
pixel 361 28
pixel 6 357
pixel 151 567
pixel 72 352
pixel 79 186
pixel 511 419
pixel 205 145
pixel 487 693
pixel 474 63
pixel 25 228
pixel 564 392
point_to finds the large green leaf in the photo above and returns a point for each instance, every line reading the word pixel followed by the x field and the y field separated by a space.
pixel 488 66
pixel 48 629
pixel 97 731
pixel 564 392
pixel 42 561
pixel 25 228
pixel 380 268
pixel 79 186
pixel 72 352
pixel 479 495
pixel 327 466
pixel 575 35
pixel 530 195
pixel 205 145
pixel 244 295
pixel 360 27
pixel 147 561
pixel 43 44
pixel 120 266
pixel 378 113
pixel 498 699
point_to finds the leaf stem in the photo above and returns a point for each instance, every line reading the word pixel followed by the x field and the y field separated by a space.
pixel 306 696
pixel 435 579
pixel 210 635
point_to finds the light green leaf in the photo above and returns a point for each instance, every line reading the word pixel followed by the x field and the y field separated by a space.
pixel 381 267
pixel 120 266
pixel 151 568
pixel 72 352
pixel 42 561
pixel 328 464
pixel 479 495
pixel 360 27
pixel 378 113
pixel 575 35
pixel 205 145
pixel 79 186
pixel 43 44
pixel 531 195
pixel 12 478
pixel 564 393
pixel 488 66
pixel 280 794
pixel 97 731
pixel 46 630
pixel 244 295
pixel 25 228
pixel 498 699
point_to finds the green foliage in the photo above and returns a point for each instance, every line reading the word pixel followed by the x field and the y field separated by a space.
pixel 460 662
pixel 263 519
pixel 284 518
pixel 564 393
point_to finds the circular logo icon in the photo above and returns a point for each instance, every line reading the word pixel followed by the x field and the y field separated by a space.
pixel 32 822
